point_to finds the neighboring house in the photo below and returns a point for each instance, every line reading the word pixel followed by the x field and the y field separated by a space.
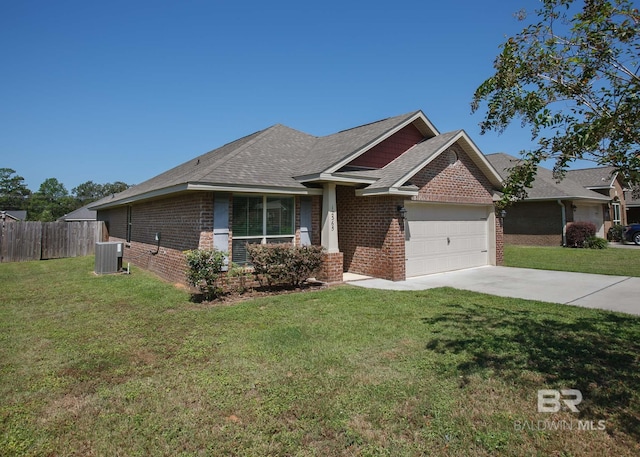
pixel 80 214
pixel 608 182
pixel 12 215
pixel 390 199
pixel 542 218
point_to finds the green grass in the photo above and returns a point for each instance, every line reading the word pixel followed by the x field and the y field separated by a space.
pixel 127 365
pixel 611 261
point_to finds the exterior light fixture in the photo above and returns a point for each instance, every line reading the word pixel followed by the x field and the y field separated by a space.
pixel 503 214
pixel 403 211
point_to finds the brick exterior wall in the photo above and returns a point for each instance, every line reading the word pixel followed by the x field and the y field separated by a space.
pixel 389 149
pixel 370 234
pixel 499 241
pixel 332 268
pixel 535 223
pixel 616 193
pixel 460 182
pixel 116 222
pixel 184 222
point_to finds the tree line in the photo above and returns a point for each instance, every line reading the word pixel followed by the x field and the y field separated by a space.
pixel 52 200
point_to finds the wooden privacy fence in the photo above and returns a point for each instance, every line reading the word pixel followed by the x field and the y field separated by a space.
pixel 23 241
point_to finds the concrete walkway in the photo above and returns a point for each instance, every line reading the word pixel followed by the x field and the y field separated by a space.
pixel 614 293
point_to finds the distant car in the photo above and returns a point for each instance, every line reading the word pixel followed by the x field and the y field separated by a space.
pixel 632 233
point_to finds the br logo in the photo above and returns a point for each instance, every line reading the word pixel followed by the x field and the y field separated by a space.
pixel 550 400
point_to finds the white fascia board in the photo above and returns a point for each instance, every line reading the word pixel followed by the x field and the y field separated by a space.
pixel 591 200
pixel 380 139
pixel 565 197
pixel 254 189
pixel 328 177
pixel 210 188
pixel 143 196
pixel 385 191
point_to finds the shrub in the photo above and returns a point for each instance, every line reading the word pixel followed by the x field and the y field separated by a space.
pixel 204 268
pixel 578 232
pixel 615 233
pixel 593 242
pixel 283 263
pixel 237 278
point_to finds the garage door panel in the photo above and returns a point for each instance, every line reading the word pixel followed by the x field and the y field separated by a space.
pixel 444 238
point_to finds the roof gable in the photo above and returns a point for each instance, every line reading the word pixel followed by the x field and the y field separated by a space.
pixel 335 151
pixel 394 176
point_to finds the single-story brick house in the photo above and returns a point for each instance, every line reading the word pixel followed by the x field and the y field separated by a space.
pixel 390 199
pixel 542 218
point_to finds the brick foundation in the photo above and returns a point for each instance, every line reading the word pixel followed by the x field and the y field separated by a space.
pixel 332 268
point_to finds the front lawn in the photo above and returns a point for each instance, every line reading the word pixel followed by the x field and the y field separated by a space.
pixel 611 261
pixel 127 365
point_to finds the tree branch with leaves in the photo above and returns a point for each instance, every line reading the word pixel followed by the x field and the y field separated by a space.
pixel 572 77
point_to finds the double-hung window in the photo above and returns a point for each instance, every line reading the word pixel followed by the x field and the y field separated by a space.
pixel 617 219
pixel 261 219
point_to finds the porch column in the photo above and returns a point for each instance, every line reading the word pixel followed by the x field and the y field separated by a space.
pixel 329 218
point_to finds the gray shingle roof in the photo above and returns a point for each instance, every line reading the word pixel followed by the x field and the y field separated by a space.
pixel 80 214
pixel 19 215
pixel 274 157
pixel 545 186
pixel 597 177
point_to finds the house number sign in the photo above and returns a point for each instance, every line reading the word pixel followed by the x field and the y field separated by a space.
pixel 333 219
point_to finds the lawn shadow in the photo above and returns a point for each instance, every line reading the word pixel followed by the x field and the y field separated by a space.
pixel 598 355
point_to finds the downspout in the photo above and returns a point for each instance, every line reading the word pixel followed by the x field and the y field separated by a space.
pixel 564 222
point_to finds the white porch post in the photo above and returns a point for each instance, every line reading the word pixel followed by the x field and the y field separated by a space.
pixel 329 218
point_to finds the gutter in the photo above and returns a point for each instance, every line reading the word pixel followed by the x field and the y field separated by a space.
pixel 564 222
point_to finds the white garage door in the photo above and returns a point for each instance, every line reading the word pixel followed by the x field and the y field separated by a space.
pixel 445 237
pixel 590 213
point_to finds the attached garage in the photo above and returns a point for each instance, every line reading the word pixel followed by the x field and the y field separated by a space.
pixel 442 237
pixel 590 213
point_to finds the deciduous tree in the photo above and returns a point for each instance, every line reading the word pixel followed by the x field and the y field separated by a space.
pixel 572 77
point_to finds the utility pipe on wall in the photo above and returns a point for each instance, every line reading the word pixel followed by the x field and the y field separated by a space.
pixel 564 222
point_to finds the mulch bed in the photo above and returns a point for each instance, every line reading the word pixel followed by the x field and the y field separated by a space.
pixel 232 298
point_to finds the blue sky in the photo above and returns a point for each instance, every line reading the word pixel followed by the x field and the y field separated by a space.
pixel 124 90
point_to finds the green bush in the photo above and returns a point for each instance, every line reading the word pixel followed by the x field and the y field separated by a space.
pixel 593 242
pixel 615 233
pixel 284 264
pixel 579 232
pixel 237 278
pixel 204 268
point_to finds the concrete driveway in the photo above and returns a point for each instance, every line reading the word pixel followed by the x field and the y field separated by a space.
pixel 614 293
